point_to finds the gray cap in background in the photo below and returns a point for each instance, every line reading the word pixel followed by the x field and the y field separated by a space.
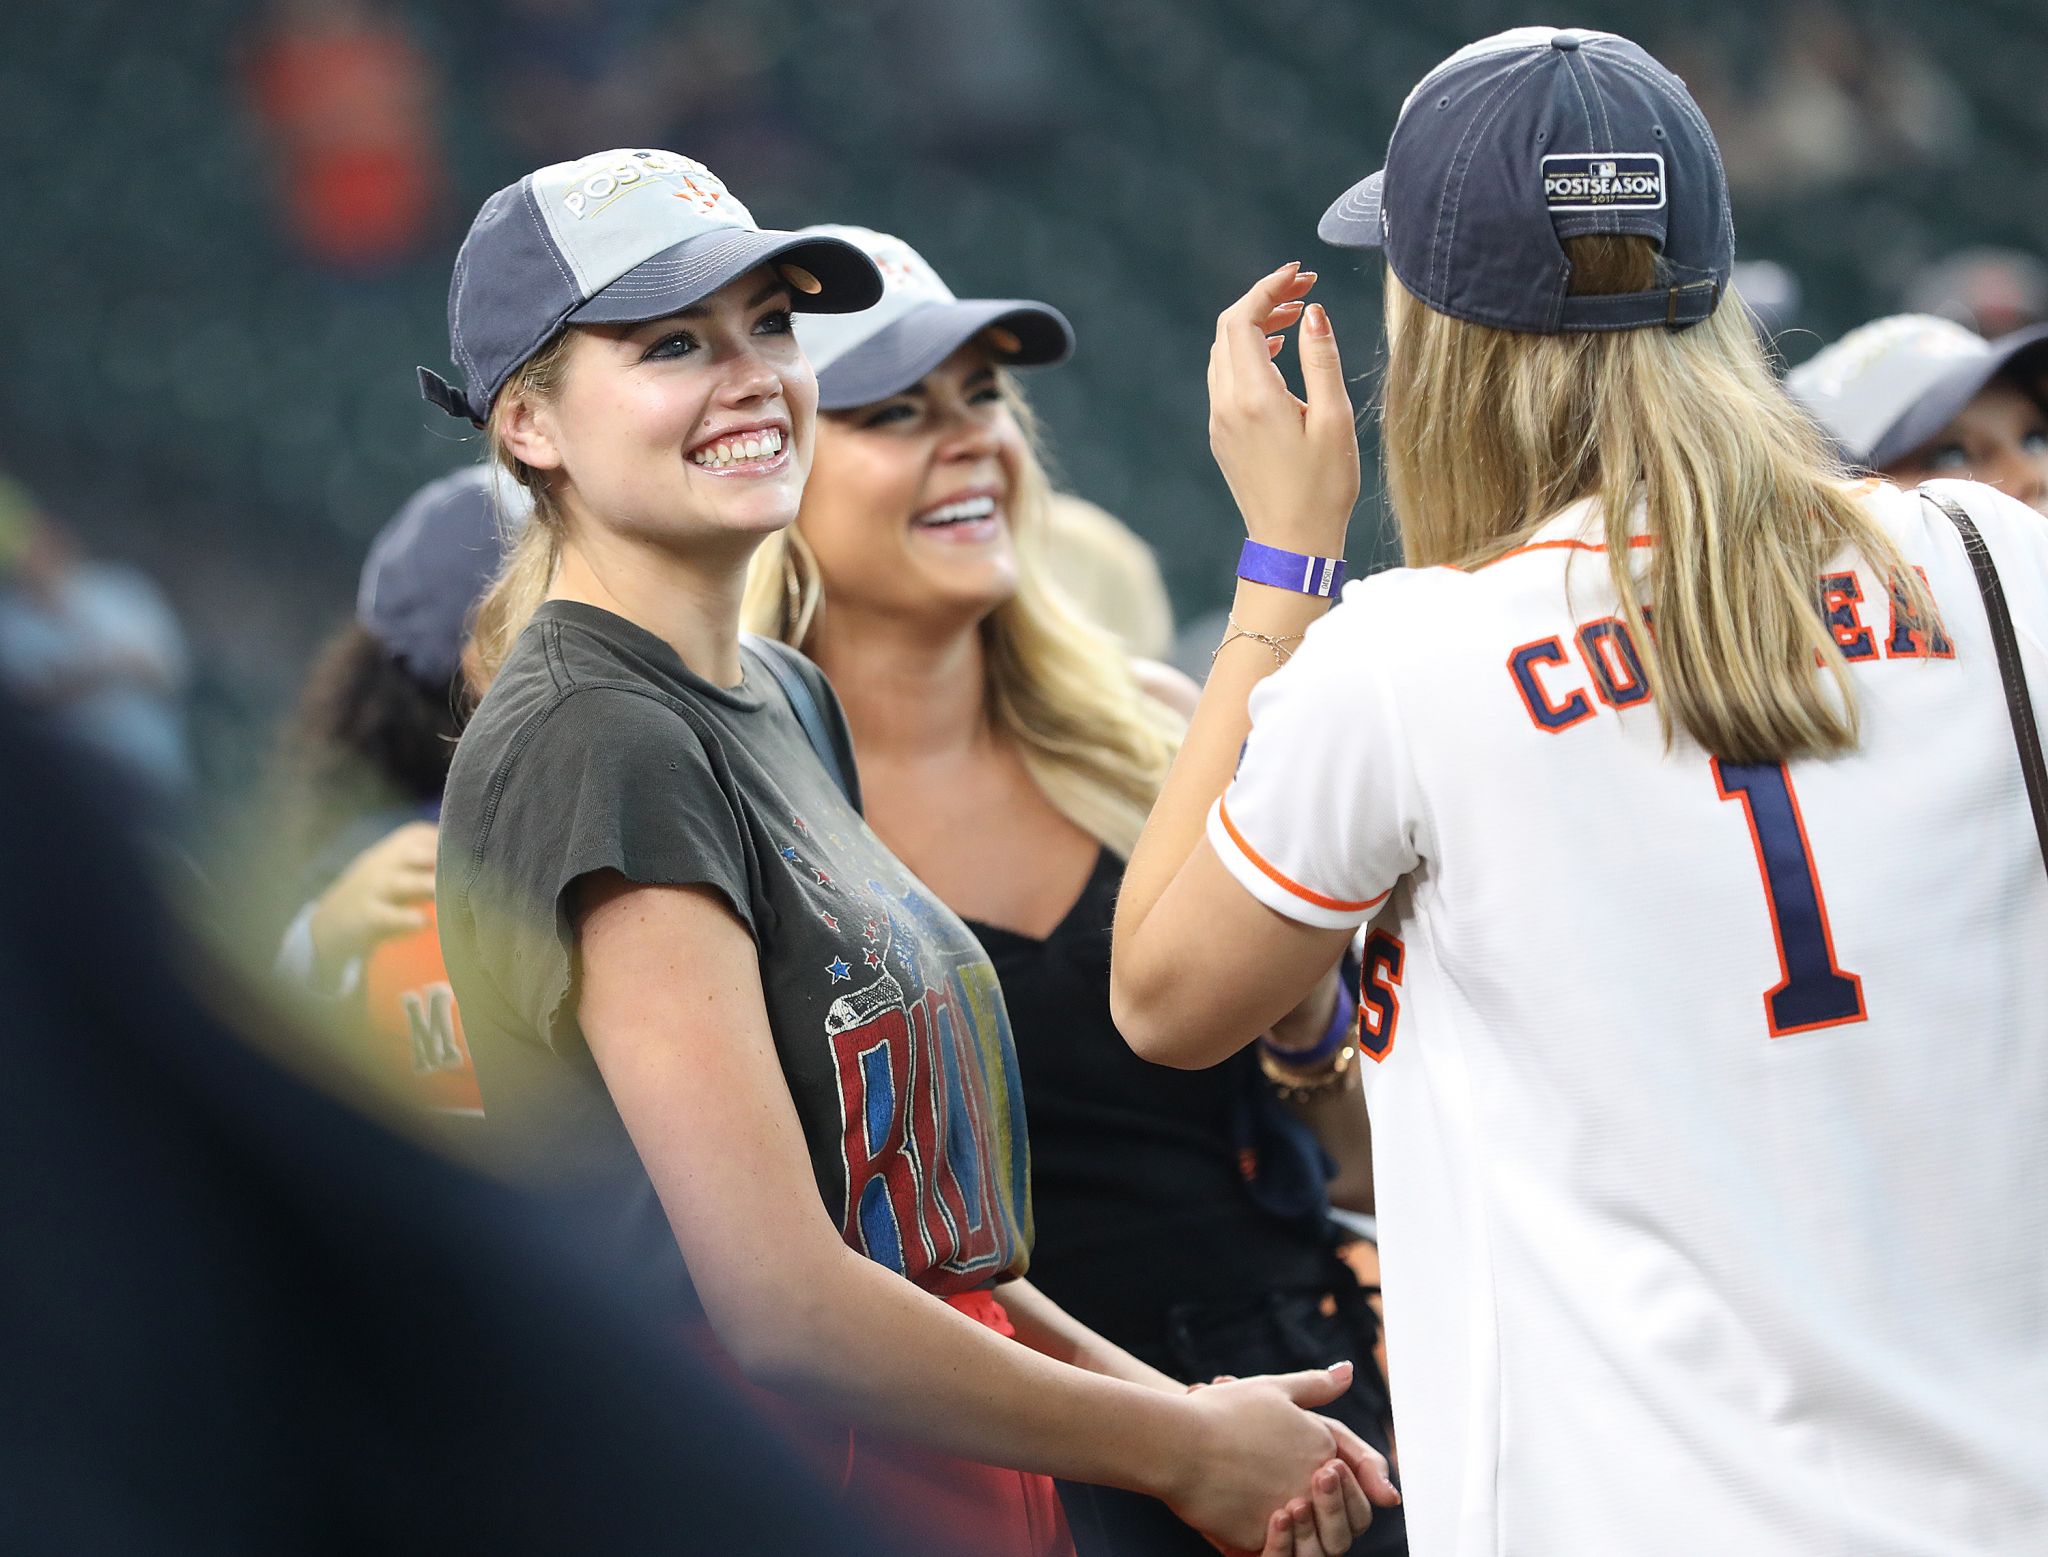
pixel 429 567
pixel 1889 386
pixel 868 356
pixel 1522 140
pixel 613 238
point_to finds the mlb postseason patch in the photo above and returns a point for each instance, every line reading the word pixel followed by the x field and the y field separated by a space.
pixel 1604 181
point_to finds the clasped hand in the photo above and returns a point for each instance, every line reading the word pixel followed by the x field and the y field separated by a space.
pixel 1278 1479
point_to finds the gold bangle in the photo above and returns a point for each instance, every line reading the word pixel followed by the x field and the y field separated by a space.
pixel 1294 1084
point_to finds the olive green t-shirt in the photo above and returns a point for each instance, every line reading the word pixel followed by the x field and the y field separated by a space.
pixel 597 749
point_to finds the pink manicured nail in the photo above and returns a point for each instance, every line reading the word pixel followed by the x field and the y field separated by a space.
pixel 1316 319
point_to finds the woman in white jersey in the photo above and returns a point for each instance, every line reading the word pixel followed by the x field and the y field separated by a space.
pixel 1673 786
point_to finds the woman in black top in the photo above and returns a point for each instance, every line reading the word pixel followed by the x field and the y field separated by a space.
pixel 695 985
pixel 1008 755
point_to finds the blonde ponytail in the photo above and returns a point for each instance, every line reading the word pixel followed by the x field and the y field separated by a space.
pixel 1489 432
pixel 532 553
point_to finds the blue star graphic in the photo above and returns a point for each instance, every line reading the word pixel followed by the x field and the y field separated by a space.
pixel 838 969
pixel 789 853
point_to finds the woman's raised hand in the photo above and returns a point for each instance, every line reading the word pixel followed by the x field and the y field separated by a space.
pixel 1271 1476
pixel 376 897
pixel 1292 464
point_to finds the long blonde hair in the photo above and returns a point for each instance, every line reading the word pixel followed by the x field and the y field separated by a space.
pixel 532 553
pixel 1058 686
pixel 1489 432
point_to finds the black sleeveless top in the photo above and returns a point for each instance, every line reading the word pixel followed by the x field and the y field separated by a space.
pixel 1140 1194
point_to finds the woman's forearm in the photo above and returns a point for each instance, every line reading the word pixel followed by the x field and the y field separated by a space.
pixel 1340 1121
pixel 1045 1327
pixel 1337 1113
pixel 1208 756
pixel 870 1347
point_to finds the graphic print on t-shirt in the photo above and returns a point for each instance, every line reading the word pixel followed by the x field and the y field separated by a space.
pixel 926 1149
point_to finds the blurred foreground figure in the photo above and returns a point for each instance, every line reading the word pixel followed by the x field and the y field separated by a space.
pixel 237 1317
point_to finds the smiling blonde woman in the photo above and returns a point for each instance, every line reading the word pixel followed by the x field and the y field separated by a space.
pixel 1009 753
pixel 773 1067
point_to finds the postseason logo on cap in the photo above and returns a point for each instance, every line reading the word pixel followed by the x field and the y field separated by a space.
pixel 1604 181
pixel 599 182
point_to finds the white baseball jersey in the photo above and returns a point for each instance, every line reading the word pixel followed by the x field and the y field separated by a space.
pixel 1709 1101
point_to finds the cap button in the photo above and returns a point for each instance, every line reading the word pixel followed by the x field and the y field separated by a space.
pixel 1564 42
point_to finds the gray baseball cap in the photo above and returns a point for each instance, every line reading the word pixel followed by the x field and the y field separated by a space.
pixel 1522 140
pixel 1889 386
pixel 429 566
pixel 613 238
pixel 868 356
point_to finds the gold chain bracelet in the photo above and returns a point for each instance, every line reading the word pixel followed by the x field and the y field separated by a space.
pixel 1280 655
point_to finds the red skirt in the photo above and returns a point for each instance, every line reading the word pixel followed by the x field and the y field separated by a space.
pixel 944 1503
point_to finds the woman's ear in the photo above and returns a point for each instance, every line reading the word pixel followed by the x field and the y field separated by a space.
pixel 526 431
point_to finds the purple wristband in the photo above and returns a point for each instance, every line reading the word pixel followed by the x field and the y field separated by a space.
pixel 1334 1037
pixel 1305 575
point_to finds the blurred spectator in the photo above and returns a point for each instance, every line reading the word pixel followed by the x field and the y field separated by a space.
pixel 1914 397
pixel 366 760
pixel 94 650
pixel 1772 294
pixel 1835 97
pixel 1110 573
pixel 568 75
pixel 237 1317
pixel 347 99
pixel 1992 291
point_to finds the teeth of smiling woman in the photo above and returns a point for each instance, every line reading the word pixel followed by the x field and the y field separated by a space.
pixel 955 513
pixel 751 446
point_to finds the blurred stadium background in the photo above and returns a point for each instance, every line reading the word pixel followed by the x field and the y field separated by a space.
pixel 229 224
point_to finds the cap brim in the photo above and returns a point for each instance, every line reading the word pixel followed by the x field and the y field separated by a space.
pixel 1353 220
pixel 682 276
pixel 1945 398
pixel 905 350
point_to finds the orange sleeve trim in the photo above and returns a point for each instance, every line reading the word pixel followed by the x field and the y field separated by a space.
pixel 1634 541
pixel 1334 904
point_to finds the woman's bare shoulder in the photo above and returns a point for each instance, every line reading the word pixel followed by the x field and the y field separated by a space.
pixel 1165 685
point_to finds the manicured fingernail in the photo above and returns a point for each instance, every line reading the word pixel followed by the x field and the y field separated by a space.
pixel 1316 319
pixel 1306 275
pixel 1341 1367
pixel 1326 1479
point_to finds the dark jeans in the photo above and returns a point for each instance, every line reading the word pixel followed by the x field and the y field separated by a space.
pixel 1277 1332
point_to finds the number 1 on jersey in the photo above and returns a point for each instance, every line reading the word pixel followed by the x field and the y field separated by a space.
pixel 1814 992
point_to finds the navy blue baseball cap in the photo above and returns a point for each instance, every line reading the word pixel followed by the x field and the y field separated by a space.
pixel 429 567
pixel 1522 140
pixel 881 351
pixel 614 238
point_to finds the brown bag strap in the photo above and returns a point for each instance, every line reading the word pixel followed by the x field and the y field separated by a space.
pixel 2025 733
